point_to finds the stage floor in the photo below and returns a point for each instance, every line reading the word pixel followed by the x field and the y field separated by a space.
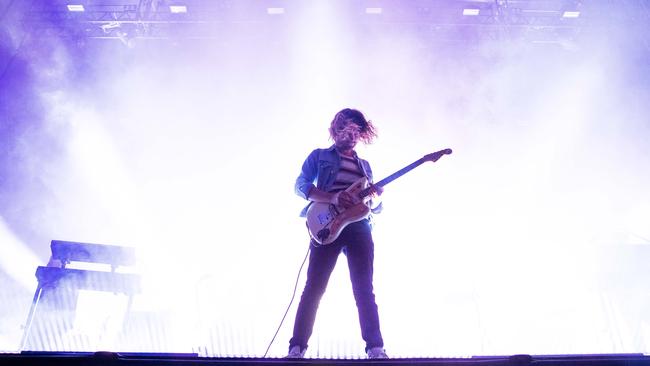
pixel 110 358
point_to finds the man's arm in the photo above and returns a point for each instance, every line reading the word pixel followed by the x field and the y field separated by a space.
pixel 305 181
pixel 376 205
pixel 317 195
pixel 306 189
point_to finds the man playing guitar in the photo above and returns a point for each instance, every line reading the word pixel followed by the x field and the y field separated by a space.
pixel 334 170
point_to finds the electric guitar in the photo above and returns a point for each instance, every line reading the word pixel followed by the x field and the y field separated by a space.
pixel 325 221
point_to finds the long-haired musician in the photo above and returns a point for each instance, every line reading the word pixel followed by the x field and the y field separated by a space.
pixel 324 178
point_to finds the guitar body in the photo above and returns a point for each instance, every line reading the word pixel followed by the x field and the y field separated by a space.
pixel 325 221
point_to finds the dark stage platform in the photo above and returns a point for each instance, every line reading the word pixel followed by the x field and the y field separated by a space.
pixel 110 358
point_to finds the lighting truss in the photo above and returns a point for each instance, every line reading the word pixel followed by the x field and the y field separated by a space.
pixel 533 20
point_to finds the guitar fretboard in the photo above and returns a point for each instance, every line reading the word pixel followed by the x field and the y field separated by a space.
pixel 393 176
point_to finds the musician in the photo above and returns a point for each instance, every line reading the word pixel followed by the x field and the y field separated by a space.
pixel 334 169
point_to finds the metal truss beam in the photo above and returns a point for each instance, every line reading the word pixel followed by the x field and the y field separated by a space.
pixel 535 20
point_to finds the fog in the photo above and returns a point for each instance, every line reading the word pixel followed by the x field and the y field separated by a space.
pixel 529 238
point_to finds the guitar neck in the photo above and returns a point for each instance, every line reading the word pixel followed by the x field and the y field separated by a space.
pixel 393 176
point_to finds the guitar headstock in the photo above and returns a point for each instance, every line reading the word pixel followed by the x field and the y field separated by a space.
pixel 433 157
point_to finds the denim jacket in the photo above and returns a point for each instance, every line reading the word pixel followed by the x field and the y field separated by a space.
pixel 321 166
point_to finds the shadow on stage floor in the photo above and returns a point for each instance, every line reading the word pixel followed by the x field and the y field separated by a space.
pixel 150 359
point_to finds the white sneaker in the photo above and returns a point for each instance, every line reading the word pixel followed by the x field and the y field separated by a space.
pixel 377 353
pixel 296 352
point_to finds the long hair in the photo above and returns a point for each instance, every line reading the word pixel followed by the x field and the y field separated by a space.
pixel 367 129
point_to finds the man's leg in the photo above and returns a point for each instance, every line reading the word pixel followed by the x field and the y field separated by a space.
pixel 360 254
pixel 322 260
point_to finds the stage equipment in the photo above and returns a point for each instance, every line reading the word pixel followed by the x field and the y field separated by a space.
pixel 58 287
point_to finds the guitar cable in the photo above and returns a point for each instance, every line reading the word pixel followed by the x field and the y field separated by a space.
pixel 293 296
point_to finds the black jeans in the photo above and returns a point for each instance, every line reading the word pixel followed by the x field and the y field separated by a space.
pixel 356 243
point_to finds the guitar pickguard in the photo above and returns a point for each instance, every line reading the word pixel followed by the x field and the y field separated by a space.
pixel 325 218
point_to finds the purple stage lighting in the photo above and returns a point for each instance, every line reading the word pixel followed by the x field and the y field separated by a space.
pixel 178 9
pixel 275 11
pixel 471 12
pixel 76 7
pixel 571 14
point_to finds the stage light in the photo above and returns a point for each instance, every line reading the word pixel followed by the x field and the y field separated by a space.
pixel 275 11
pixel 76 7
pixel 571 14
pixel 178 9
pixel 471 12
pixel 374 10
